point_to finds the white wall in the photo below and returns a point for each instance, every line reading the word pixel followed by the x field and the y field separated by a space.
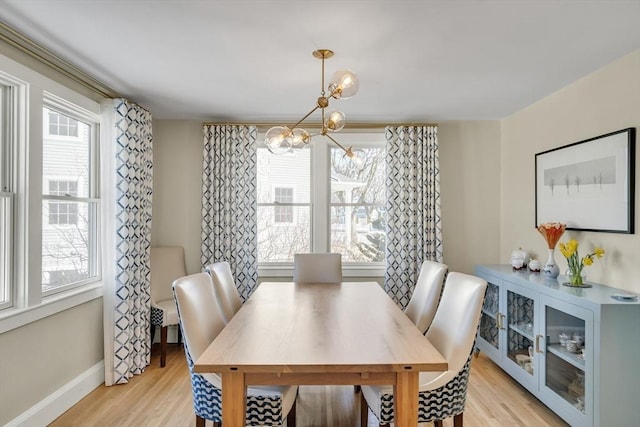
pixel 177 187
pixel 602 102
pixel 39 358
pixel 470 196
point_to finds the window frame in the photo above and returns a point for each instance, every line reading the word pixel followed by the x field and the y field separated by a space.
pixel 320 214
pixel 28 303
pixel 79 114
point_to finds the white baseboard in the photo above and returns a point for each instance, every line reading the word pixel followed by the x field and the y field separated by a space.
pixel 54 405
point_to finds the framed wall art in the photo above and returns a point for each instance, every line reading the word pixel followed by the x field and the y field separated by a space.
pixel 588 185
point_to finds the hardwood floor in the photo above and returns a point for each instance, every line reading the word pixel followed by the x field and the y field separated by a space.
pixel 162 397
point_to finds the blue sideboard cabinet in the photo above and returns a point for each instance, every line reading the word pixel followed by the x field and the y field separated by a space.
pixel 524 313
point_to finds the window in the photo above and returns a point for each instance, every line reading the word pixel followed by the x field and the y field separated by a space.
pixel 284 205
pixel 61 212
pixel 357 205
pixel 7 191
pixel 316 200
pixel 49 203
pixel 283 214
pixel 69 206
pixel 62 125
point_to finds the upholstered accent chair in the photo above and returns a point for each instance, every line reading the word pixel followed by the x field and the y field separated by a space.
pixel 167 264
pixel 201 320
pixel 426 295
pixel 317 268
pixel 225 288
pixel 452 332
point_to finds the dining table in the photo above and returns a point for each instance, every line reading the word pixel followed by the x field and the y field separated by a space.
pixel 345 333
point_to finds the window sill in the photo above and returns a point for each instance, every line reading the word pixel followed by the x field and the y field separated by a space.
pixel 353 270
pixel 13 318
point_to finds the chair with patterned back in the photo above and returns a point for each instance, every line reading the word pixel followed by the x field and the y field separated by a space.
pixel 167 264
pixel 452 333
pixel 317 268
pixel 424 300
pixel 225 288
pixel 201 321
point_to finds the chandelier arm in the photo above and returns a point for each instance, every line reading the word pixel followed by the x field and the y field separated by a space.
pixel 337 143
pixel 305 117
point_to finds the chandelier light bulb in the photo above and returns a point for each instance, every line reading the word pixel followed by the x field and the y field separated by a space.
pixel 344 84
pixel 300 137
pixel 278 139
pixel 335 121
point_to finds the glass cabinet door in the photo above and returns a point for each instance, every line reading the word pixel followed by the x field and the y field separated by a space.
pixel 520 332
pixel 490 320
pixel 567 374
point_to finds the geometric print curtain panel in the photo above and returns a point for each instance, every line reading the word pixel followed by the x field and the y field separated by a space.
pixel 229 190
pixel 414 228
pixel 133 197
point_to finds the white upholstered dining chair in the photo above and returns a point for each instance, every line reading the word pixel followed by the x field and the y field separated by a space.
pixel 452 333
pixel 201 321
pixel 426 294
pixel 317 268
pixel 167 264
pixel 225 288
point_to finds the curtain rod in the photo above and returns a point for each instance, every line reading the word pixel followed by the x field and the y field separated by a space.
pixel 351 125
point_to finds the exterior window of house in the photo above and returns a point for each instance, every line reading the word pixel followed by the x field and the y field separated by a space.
pixel 317 200
pixel 283 214
pixel 62 125
pixel 62 212
pixel 69 205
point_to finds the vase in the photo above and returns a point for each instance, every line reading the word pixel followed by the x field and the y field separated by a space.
pixel 551 269
pixel 576 277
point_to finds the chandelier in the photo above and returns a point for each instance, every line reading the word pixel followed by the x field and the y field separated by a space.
pixel 343 85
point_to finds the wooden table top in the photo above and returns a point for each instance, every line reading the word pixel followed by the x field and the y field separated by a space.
pixel 320 328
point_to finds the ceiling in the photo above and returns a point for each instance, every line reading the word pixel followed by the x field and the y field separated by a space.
pixel 417 61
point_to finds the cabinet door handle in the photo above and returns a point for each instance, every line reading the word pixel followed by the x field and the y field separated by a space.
pixel 538 350
pixel 500 320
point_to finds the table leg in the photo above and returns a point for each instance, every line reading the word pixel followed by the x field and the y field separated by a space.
pixel 234 402
pixel 405 394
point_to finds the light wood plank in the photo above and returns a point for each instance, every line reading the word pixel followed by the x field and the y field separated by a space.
pixel 162 397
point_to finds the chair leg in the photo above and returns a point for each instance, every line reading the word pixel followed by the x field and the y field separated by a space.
pixel 163 346
pixel 217 424
pixel 291 416
pixel 153 333
pixel 457 420
pixel 199 421
pixel 179 335
pixel 364 411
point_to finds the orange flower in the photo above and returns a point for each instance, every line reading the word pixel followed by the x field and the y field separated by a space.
pixel 552 231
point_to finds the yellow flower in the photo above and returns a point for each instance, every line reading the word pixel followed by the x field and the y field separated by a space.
pixel 587 260
pixel 599 252
pixel 568 249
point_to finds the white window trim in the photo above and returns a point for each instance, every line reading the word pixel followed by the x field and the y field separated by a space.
pixel 29 304
pixel 320 203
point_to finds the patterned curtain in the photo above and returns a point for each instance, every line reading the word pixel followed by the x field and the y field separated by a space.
pixel 229 191
pixel 414 230
pixel 128 187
